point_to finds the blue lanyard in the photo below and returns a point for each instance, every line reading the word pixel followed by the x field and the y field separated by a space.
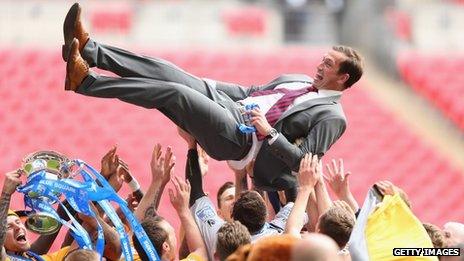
pixel 139 232
pixel 39 186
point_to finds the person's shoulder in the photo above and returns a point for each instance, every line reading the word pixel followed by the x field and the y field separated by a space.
pixel 268 230
pixel 193 257
pixel 58 255
pixel 292 78
pixel 330 111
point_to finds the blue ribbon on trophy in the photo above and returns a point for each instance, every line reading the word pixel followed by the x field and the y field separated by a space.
pixel 248 128
pixel 50 176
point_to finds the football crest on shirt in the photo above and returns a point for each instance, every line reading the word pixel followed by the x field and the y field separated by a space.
pixel 206 215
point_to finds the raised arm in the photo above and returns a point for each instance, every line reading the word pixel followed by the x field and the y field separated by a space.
pixel 180 201
pixel 337 179
pixel 307 178
pixel 161 169
pixel 193 168
pixel 322 195
pixel 109 165
pixel 241 181
pixel 112 249
pixel 12 180
pixel 313 213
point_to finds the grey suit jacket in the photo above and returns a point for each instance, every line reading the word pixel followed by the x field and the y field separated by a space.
pixel 319 122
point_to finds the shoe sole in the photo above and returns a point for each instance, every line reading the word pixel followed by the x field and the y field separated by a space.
pixel 69 26
pixel 69 66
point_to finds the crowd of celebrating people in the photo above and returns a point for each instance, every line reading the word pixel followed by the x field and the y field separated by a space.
pixel 246 223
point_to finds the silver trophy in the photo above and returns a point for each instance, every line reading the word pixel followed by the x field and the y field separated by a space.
pixel 55 166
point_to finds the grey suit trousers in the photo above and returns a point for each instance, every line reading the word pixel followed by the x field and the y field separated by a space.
pixel 206 113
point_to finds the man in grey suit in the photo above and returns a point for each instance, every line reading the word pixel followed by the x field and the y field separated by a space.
pixel 291 107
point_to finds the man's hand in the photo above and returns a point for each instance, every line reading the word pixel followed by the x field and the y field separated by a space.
pixel 249 168
pixel 123 171
pixel 132 202
pixel 337 178
pixel 121 175
pixel 191 142
pixel 12 181
pixel 203 159
pixel 89 220
pixel 180 199
pixel 168 165
pixel 260 122
pixel 308 171
pixel 161 167
pixel 386 187
pixel 109 163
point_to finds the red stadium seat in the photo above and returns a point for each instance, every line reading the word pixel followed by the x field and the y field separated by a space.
pixel 438 78
pixel 112 18
pixel 245 21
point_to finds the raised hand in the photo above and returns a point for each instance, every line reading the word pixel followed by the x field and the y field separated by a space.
pixel 161 167
pixel 249 168
pixel 168 165
pixel 309 171
pixel 12 181
pixel 180 199
pixel 123 171
pixel 203 160
pixel 109 163
pixel 386 187
pixel 191 142
pixel 132 202
pixel 338 181
pixel 337 178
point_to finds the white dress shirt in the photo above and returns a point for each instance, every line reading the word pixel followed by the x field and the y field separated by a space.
pixel 265 103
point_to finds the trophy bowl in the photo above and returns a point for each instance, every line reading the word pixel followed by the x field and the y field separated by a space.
pixel 55 166
pixel 38 223
pixel 52 162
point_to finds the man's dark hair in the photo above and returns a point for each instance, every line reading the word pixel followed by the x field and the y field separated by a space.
pixel 221 190
pixel 81 254
pixel 436 235
pixel 155 233
pixel 250 210
pixel 337 223
pixel 230 237
pixel 353 65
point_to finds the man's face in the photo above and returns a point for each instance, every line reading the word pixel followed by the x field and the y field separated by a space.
pixel 454 233
pixel 327 76
pixel 227 199
pixel 172 240
pixel 15 240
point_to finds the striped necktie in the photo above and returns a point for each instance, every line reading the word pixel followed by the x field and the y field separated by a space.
pixel 274 113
